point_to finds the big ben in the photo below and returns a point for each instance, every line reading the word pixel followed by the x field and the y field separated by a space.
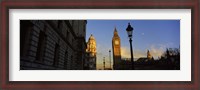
pixel 116 50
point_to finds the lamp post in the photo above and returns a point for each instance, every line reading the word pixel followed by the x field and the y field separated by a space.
pixel 129 30
pixel 110 57
pixel 104 63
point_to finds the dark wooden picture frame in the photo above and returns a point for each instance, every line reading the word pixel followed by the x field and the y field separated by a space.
pixel 194 84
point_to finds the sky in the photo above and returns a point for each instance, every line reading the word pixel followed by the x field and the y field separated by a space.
pixel 152 35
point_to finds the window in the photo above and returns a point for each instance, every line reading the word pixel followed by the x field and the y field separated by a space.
pixel 41 46
pixel 56 55
pixel 66 60
pixel 71 64
pixel 67 35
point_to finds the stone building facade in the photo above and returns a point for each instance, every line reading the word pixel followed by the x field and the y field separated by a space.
pixel 52 44
pixel 91 51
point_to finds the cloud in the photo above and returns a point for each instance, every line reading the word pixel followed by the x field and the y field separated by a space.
pixel 125 53
pixel 142 33
pixel 156 51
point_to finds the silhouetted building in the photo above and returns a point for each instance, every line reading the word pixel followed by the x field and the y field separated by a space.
pixel 52 44
pixel 149 57
pixel 125 64
pixel 90 62
pixel 145 59
pixel 142 60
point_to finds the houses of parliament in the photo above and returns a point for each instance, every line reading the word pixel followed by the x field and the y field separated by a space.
pixel 118 62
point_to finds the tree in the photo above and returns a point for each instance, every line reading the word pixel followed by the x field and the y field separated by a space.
pixel 171 52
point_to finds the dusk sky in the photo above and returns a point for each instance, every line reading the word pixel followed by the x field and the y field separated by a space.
pixel 152 35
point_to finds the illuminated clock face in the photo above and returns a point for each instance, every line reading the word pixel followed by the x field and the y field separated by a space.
pixel 116 42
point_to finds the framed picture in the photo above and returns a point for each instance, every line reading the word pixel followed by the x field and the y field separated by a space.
pixel 151 45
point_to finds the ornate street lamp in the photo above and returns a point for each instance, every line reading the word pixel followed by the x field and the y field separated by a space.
pixel 129 30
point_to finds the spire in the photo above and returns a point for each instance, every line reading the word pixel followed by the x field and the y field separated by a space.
pixel 115 29
pixel 91 37
pixel 149 55
pixel 115 32
pixel 148 51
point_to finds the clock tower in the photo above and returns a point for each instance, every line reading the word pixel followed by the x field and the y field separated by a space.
pixel 116 50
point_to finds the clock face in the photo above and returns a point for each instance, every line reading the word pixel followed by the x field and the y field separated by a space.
pixel 116 42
